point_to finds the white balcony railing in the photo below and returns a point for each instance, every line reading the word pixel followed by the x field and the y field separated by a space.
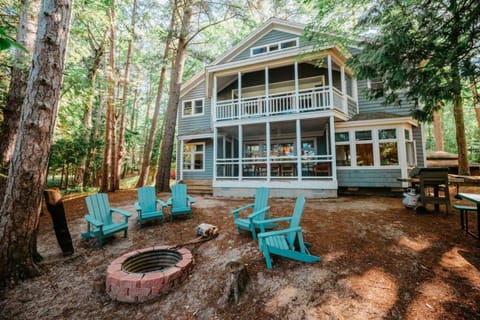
pixel 313 99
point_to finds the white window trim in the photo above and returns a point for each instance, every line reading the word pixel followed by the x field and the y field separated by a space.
pixel 268 45
pixel 193 108
pixel 375 141
pixel 192 154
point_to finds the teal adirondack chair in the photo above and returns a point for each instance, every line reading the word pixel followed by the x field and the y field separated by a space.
pixel 259 208
pixel 99 218
pixel 180 202
pixel 147 205
pixel 288 242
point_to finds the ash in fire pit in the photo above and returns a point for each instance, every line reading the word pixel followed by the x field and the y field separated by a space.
pixel 144 274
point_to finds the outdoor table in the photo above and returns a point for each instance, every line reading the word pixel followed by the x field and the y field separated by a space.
pixel 476 199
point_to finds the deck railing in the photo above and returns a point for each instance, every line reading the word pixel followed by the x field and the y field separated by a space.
pixel 312 99
pixel 283 167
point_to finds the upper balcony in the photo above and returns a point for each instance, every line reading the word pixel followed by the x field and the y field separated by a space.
pixel 310 99
pixel 283 89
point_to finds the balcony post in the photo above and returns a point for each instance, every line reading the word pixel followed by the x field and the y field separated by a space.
pixel 214 98
pixel 239 77
pixel 267 93
pixel 296 87
pixel 240 152
pixel 344 91
pixel 267 130
pixel 355 91
pixel 333 160
pixel 330 79
pixel 215 147
pixel 299 149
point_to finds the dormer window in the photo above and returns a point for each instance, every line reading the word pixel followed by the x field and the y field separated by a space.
pixel 272 47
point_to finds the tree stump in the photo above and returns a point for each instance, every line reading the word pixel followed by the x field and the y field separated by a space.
pixel 236 281
pixel 54 202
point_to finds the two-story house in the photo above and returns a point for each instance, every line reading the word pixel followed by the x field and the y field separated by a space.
pixel 274 112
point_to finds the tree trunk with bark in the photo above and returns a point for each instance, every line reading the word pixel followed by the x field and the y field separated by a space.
pixel 20 211
pixel 162 181
pixel 475 99
pixel 98 51
pixel 108 165
pixel 26 33
pixel 123 107
pixel 437 129
pixel 147 156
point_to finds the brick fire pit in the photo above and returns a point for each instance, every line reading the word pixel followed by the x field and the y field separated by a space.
pixel 144 274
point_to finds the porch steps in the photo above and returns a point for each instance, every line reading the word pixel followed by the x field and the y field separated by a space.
pixel 199 186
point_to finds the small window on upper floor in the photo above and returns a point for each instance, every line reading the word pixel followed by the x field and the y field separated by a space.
pixel 275 46
pixel 192 108
pixel 374 84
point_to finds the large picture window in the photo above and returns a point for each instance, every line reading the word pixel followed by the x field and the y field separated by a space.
pixel 388 147
pixel 193 156
pixel 192 108
pixel 342 149
pixel 364 148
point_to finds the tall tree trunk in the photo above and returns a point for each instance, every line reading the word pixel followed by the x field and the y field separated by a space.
pixel 437 129
pixel 26 33
pixel 108 166
pixel 147 155
pixel 162 182
pixel 123 107
pixel 20 211
pixel 475 99
pixel 96 59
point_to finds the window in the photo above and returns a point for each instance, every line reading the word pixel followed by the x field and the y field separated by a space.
pixel 193 156
pixel 192 107
pixel 388 147
pixel 375 84
pixel 364 148
pixel 272 47
pixel 410 148
pixel 342 149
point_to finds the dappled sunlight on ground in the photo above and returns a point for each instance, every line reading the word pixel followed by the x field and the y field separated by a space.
pixel 453 261
pixel 416 244
pixel 366 296
pixel 429 300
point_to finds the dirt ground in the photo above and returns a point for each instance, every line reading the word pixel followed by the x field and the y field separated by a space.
pixel 379 261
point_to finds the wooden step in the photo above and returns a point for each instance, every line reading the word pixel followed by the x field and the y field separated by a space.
pixel 199 186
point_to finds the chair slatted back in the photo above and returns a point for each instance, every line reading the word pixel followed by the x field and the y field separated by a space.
pixel 179 195
pixel 261 198
pixel 296 217
pixel 99 207
pixel 146 198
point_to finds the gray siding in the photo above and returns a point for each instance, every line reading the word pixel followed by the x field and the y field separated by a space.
pixel 366 105
pixel 189 125
pixel 368 178
pixel 208 172
pixel 272 36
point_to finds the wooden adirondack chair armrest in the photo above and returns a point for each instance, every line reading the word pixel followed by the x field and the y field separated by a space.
pixel 238 210
pixel 252 215
pixel 263 223
pixel 263 235
pixel 137 207
pixel 273 220
pixel 161 203
pixel 190 199
pixel 122 212
pixel 93 221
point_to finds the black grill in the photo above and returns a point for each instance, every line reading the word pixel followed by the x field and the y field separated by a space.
pixel 151 261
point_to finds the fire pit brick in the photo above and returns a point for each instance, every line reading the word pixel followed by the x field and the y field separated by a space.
pixel 142 275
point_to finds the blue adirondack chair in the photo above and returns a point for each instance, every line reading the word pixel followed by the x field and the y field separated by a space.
pixel 180 202
pixel 259 208
pixel 287 242
pixel 147 205
pixel 99 218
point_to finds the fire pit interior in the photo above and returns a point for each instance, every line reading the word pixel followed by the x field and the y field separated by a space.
pixel 144 274
pixel 151 261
